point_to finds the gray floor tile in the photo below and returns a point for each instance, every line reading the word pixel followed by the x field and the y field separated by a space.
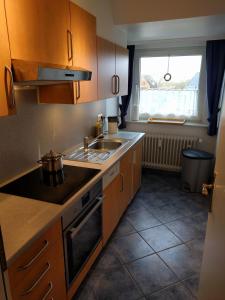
pixel 167 213
pixel 108 260
pixel 185 229
pixel 181 260
pixel 141 220
pixel 85 293
pixel 151 273
pixel 192 284
pixel 114 285
pixel 175 292
pixel 160 238
pixel 124 228
pixel 131 247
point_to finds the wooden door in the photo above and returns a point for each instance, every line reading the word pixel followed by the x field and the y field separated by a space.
pixel 83 29
pixel 122 70
pixel 126 176
pixel 110 212
pixel 106 68
pixel 7 104
pixel 212 279
pixel 38 30
pixel 137 157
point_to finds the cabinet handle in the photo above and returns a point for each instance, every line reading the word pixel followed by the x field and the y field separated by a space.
pixel 69 45
pixel 9 94
pixel 28 291
pixel 29 264
pixel 50 288
pixel 77 90
pixel 117 84
pixel 114 84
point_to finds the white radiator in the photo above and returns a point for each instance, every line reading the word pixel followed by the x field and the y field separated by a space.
pixel 161 151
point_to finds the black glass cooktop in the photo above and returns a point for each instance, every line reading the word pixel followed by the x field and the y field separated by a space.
pixel 55 187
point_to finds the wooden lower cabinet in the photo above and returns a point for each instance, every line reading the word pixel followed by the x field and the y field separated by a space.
pixel 136 165
pixel 38 273
pixel 126 174
pixel 110 209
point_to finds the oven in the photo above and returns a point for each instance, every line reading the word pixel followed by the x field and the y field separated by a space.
pixel 82 231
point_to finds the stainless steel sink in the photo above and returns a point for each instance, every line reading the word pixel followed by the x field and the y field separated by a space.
pixel 105 145
pixel 98 151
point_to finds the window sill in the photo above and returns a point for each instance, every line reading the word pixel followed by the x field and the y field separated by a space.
pixel 185 124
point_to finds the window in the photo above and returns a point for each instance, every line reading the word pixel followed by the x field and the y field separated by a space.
pixel 177 97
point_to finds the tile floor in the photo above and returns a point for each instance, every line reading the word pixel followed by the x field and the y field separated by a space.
pixel 156 250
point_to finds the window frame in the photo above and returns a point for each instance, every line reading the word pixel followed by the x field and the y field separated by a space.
pixel 139 53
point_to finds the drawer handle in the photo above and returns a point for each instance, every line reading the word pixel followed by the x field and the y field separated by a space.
pixel 29 264
pixel 48 291
pixel 28 291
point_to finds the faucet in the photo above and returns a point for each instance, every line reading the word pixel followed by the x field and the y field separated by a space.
pixel 87 141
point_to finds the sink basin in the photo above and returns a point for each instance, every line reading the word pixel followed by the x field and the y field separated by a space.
pixel 98 152
pixel 105 145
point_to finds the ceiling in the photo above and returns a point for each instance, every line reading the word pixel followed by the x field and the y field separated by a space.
pixel 198 28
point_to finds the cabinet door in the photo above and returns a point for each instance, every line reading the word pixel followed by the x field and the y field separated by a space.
pixel 7 104
pixel 126 177
pixel 83 29
pixel 122 70
pixel 106 68
pixel 110 212
pixel 137 157
pixel 38 30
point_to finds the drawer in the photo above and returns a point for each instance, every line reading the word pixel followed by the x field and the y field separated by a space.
pixel 28 260
pixel 45 278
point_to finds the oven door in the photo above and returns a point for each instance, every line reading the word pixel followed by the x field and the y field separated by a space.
pixel 81 238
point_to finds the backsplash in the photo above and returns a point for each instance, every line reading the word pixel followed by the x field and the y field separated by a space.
pixel 37 128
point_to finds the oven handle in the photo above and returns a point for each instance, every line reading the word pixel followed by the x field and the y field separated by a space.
pixel 73 231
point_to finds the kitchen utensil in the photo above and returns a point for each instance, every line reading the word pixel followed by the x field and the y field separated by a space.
pixel 52 161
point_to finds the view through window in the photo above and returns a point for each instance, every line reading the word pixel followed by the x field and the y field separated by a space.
pixel 176 98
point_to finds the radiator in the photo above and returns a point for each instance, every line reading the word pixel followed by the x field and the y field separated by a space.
pixel 163 152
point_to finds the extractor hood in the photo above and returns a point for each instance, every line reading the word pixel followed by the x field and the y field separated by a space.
pixel 29 73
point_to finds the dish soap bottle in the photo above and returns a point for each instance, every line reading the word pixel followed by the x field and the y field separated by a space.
pixel 99 125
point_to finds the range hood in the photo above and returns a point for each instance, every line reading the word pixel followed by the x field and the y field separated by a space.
pixel 29 73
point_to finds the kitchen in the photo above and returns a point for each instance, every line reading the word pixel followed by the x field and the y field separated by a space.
pixel 46 118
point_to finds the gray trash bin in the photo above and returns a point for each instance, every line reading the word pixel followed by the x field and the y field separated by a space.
pixel 197 168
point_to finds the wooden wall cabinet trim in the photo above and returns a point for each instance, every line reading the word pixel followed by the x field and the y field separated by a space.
pixel 84 55
pixel 112 69
pixel 41 263
pixel 122 70
pixel 83 29
pixel 106 68
pixel 7 100
pixel 38 30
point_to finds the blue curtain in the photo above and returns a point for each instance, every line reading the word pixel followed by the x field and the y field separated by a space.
pixel 215 67
pixel 126 99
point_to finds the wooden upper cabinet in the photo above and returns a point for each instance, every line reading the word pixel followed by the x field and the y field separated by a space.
pixel 112 69
pixel 106 68
pixel 38 30
pixel 7 100
pixel 83 29
pixel 122 70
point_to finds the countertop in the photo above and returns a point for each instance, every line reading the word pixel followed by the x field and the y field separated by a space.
pixel 23 220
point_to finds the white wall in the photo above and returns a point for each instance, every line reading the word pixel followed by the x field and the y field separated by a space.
pixel 102 9
pixel 136 11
